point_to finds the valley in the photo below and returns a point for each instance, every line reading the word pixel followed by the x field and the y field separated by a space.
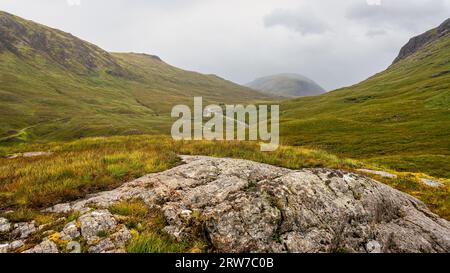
pixel 98 125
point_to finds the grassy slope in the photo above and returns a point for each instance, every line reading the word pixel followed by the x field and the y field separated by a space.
pixel 399 118
pixel 55 86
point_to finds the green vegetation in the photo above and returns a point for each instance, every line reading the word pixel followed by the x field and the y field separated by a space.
pixel 95 164
pixel 399 118
pixel 84 166
pixel 89 112
pixel 55 86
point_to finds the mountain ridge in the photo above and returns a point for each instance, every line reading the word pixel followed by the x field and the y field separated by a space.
pixel 57 86
pixel 418 42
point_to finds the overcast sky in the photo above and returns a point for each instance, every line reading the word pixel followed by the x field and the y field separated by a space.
pixel 336 43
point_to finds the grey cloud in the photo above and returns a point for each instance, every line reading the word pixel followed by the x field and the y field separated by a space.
pixel 376 32
pixel 409 15
pixel 301 21
pixel 212 36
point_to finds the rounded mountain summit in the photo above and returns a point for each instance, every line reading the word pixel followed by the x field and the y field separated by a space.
pixel 287 85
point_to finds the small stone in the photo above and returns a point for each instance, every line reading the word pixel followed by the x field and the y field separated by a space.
pixel 60 208
pixel 4 248
pixel 73 247
pixel 380 173
pixel 70 232
pixel 186 212
pixel 103 246
pixel 46 246
pixel 373 247
pixel 16 245
pixel 93 223
pixel 431 183
pixel 5 226
pixel 24 230
pixel 35 154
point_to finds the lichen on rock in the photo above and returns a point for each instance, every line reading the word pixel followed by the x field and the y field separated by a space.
pixel 243 206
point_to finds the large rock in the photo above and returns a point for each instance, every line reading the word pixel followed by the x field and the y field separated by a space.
pixel 245 206
pixel 420 41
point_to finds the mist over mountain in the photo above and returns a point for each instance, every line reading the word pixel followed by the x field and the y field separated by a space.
pixel 287 85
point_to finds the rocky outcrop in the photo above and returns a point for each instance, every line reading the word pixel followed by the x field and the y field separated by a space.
pixel 418 42
pixel 243 206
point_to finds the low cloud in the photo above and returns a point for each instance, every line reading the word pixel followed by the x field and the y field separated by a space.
pixel 301 21
pixel 409 15
pixel 376 32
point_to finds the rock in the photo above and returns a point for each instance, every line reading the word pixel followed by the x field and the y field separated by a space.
pixel 60 208
pixel 96 222
pixel 4 248
pixel 244 206
pixel 380 173
pixel 104 246
pixel 73 247
pixel 431 183
pixel 373 247
pixel 114 243
pixel 5 226
pixel 23 230
pixel 30 154
pixel 420 41
pixel 121 238
pixel 46 246
pixel 435 75
pixel 16 245
pixel 70 232
pixel 35 154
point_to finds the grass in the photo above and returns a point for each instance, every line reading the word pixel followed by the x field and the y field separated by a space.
pixel 398 119
pixel 89 165
pixel 95 164
pixel 436 199
pixel 28 215
pixel 44 96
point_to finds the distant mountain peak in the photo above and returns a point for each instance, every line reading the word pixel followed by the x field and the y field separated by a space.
pixel 287 85
pixel 420 41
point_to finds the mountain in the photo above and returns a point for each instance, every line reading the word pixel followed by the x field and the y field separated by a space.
pixel 287 85
pixel 399 118
pixel 418 42
pixel 56 86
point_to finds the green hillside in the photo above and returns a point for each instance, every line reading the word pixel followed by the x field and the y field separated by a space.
pixel 56 86
pixel 399 118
